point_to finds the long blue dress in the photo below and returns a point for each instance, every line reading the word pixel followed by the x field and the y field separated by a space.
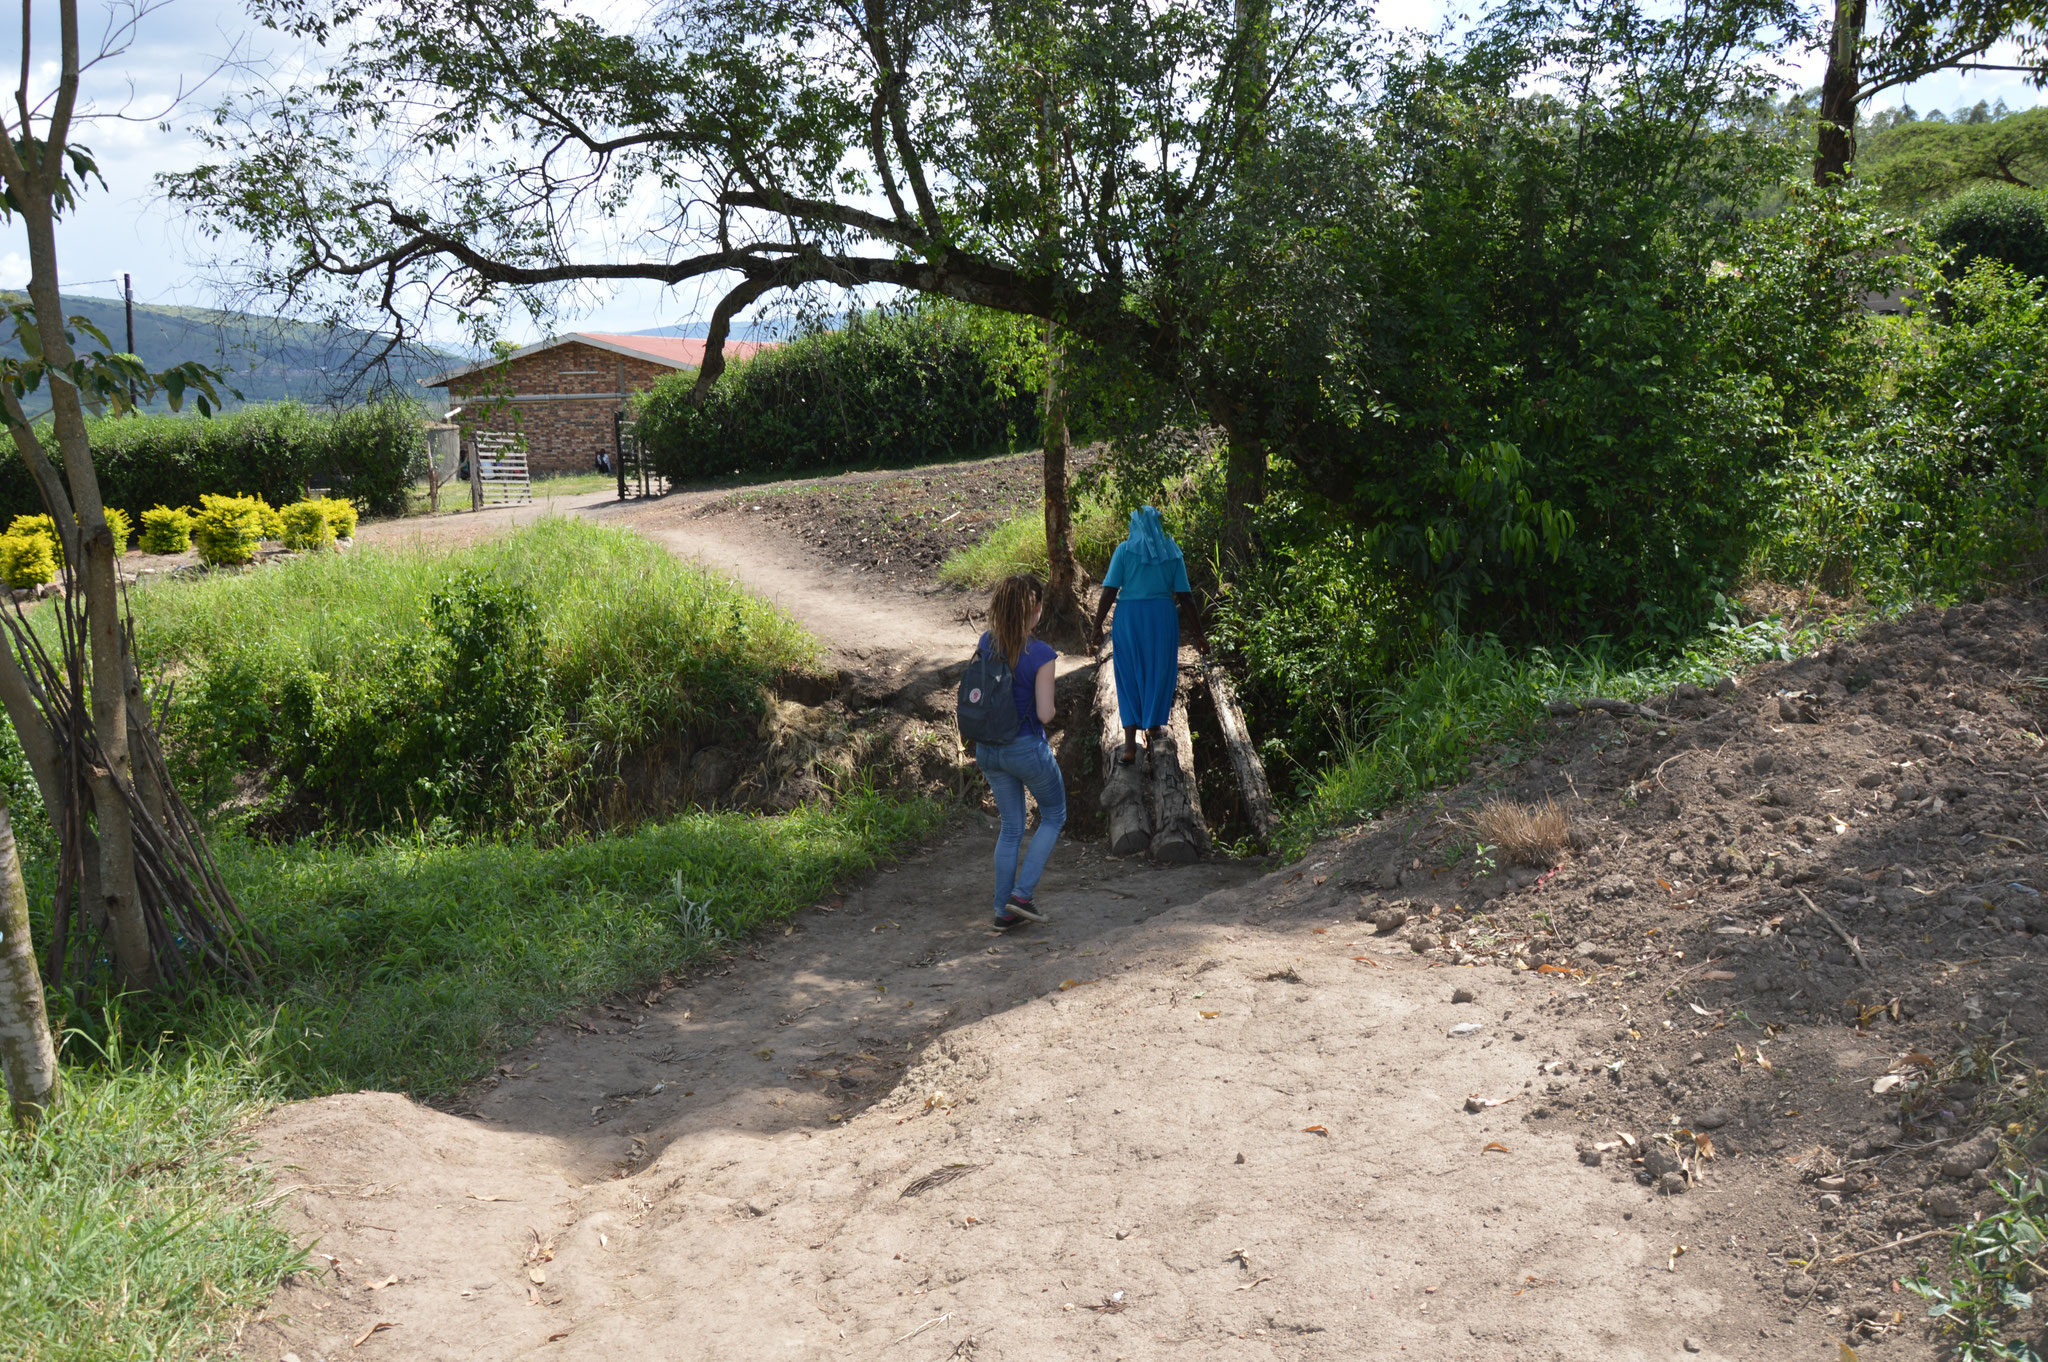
pixel 1146 569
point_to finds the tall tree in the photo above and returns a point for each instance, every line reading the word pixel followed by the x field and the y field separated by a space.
pixel 1915 38
pixel 83 720
pixel 456 156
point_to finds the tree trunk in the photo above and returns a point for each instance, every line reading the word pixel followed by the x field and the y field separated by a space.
pixel 1244 757
pixel 1838 94
pixel 95 567
pixel 27 1053
pixel 1244 487
pixel 1066 618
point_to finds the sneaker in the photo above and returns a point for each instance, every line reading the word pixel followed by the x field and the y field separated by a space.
pixel 1022 908
pixel 1005 919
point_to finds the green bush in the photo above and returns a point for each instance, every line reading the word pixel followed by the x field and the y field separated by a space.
pixel 27 560
pixel 1936 487
pixel 371 455
pixel 166 530
pixel 306 526
pixel 2002 221
pixel 940 381
pixel 228 530
pixel 499 686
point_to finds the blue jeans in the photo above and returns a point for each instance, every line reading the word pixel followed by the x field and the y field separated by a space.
pixel 1013 768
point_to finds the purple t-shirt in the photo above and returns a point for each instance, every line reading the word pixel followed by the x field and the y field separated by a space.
pixel 1037 653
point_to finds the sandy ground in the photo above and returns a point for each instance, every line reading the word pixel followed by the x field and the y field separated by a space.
pixel 1203 1113
pixel 1184 1133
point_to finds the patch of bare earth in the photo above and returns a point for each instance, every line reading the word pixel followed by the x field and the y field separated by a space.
pixel 899 526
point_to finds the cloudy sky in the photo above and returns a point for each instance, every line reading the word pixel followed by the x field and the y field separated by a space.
pixel 213 45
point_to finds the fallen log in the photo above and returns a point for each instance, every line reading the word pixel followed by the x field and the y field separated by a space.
pixel 1123 787
pixel 1179 834
pixel 1244 758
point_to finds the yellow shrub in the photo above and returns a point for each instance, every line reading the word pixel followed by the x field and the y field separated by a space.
pixel 122 526
pixel 341 515
pixel 166 530
pixel 229 529
pixel 26 559
pixel 273 522
pixel 306 525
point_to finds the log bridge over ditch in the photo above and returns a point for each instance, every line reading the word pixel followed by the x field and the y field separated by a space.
pixel 1154 805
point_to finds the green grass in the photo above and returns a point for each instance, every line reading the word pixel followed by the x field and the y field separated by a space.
pixel 127 1227
pixel 1421 731
pixel 609 600
pixel 330 673
pixel 1019 546
pixel 408 965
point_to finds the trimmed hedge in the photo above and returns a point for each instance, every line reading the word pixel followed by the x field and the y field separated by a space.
pixel 940 381
pixel 370 455
pixel 2003 221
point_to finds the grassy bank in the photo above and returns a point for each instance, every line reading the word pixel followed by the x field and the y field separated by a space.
pixel 496 686
pixel 406 958
pixel 1419 733
pixel 1019 546
pixel 408 965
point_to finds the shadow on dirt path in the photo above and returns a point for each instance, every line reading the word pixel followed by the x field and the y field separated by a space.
pixel 1200 1114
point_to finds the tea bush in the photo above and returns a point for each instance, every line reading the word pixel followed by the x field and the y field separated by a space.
pixel 2002 221
pixel 228 530
pixel 166 530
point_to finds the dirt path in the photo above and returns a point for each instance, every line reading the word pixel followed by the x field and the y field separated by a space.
pixel 1221 1139
pixel 868 625
pixel 1201 1114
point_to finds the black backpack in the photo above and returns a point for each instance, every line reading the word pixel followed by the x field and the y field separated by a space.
pixel 988 699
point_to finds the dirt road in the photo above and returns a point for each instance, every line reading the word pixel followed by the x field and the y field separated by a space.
pixel 1169 1132
pixel 1200 1114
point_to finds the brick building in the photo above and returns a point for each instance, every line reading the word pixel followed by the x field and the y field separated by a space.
pixel 564 395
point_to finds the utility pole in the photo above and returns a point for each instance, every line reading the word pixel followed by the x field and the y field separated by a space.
pixel 128 305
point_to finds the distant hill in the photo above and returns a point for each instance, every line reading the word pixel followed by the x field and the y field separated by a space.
pixel 699 330
pixel 266 359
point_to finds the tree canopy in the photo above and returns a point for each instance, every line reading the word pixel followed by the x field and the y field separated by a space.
pixel 1045 159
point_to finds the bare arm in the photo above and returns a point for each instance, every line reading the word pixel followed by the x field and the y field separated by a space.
pixel 1101 614
pixel 1042 686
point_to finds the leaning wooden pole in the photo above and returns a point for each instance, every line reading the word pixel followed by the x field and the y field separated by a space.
pixel 1244 758
pixel 1123 787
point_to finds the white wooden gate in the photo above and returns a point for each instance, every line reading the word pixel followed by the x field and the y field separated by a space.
pixel 498 474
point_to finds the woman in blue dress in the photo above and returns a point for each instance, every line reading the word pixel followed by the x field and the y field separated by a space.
pixel 1147 574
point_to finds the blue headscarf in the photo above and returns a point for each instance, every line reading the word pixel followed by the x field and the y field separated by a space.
pixel 1148 541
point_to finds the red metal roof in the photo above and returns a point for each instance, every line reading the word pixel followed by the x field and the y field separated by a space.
pixel 678 352
pixel 681 351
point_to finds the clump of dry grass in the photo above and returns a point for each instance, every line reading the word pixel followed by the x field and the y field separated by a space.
pixel 1533 834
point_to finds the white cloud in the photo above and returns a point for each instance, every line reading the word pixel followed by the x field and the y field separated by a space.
pixel 13 270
